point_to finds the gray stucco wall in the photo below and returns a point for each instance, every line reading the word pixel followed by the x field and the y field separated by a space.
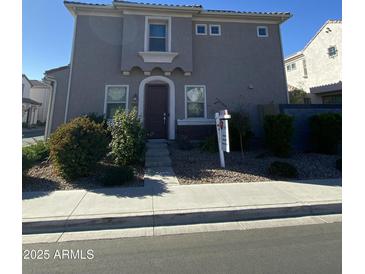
pixel 226 64
pixel 61 77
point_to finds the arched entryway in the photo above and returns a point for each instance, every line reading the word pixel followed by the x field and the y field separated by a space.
pixel 153 82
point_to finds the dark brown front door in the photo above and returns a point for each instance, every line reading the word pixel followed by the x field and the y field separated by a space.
pixel 156 111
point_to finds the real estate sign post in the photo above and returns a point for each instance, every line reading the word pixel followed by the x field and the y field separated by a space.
pixel 221 121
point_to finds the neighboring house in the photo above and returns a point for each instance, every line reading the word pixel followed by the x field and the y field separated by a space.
pixel 30 107
pixel 41 92
pixel 317 68
pixel 178 64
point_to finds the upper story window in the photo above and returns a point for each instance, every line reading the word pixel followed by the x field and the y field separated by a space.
pixel 305 71
pixel 157 34
pixel 116 97
pixel 262 31
pixel 195 102
pixel 201 29
pixel 291 67
pixel 157 37
pixel 215 30
pixel 332 51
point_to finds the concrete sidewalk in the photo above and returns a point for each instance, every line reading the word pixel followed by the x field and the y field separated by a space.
pixel 158 204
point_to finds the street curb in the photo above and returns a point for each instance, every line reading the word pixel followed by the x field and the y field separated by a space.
pixel 170 218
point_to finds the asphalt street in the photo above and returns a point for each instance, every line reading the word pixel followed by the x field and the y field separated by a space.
pixel 299 249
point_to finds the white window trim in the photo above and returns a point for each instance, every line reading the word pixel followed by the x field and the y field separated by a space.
pixel 147 35
pixel 106 96
pixel 201 25
pixel 215 34
pixel 186 103
pixel 262 27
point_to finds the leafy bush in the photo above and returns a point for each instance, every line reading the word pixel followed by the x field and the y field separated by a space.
pixel 326 132
pixel 282 170
pixel 339 164
pixel 298 96
pixel 77 146
pixel 34 153
pixel 128 138
pixel 240 130
pixel 183 142
pixel 278 133
pixel 210 144
pixel 116 175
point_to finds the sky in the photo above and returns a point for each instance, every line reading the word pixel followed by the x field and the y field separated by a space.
pixel 48 26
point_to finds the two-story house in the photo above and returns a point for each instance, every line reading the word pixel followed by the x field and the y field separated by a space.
pixel 177 64
pixel 317 68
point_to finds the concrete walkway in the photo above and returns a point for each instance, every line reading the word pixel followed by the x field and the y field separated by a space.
pixel 161 202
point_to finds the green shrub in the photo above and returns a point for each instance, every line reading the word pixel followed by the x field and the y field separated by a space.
pixel 339 164
pixel 128 138
pixel 116 175
pixel 282 170
pixel 239 130
pixel 278 134
pixel 210 144
pixel 184 143
pixel 325 132
pixel 77 146
pixel 34 153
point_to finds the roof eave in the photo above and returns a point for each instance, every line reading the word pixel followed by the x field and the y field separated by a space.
pixel 279 18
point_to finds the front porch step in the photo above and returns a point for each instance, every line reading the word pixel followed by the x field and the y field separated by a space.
pixel 161 161
pixel 157 152
pixel 156 145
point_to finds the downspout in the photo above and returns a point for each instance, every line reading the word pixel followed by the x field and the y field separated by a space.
pixel 53 84
pixel 71 65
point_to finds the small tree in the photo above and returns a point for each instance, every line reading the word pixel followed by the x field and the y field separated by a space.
pixel 128 138
pixel 297 96
pixel 240 122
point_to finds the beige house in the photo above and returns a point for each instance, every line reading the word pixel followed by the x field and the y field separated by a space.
pixel 317 68
pixel 35 101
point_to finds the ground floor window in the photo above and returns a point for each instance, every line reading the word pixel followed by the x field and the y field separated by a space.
pixel 195 101
pixel 332 99
pixel 116 97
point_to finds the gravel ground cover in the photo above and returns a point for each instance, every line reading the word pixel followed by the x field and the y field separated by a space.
pixel 197 167
pixel 43 177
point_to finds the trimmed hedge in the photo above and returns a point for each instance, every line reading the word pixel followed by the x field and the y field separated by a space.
pixel 326 132
pixel 77 146
pixel 128 138
pixel 278 134
pixel 283 170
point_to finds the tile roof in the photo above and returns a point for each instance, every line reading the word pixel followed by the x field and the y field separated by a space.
pixel 194 6
pixel 56 69
pixel 36 83
pixel 84 3
pixel 158 4
pixel 248 12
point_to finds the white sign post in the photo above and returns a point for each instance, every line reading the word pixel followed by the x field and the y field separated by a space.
pixel 221 121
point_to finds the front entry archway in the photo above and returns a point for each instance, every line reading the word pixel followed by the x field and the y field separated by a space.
pixel 171 101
